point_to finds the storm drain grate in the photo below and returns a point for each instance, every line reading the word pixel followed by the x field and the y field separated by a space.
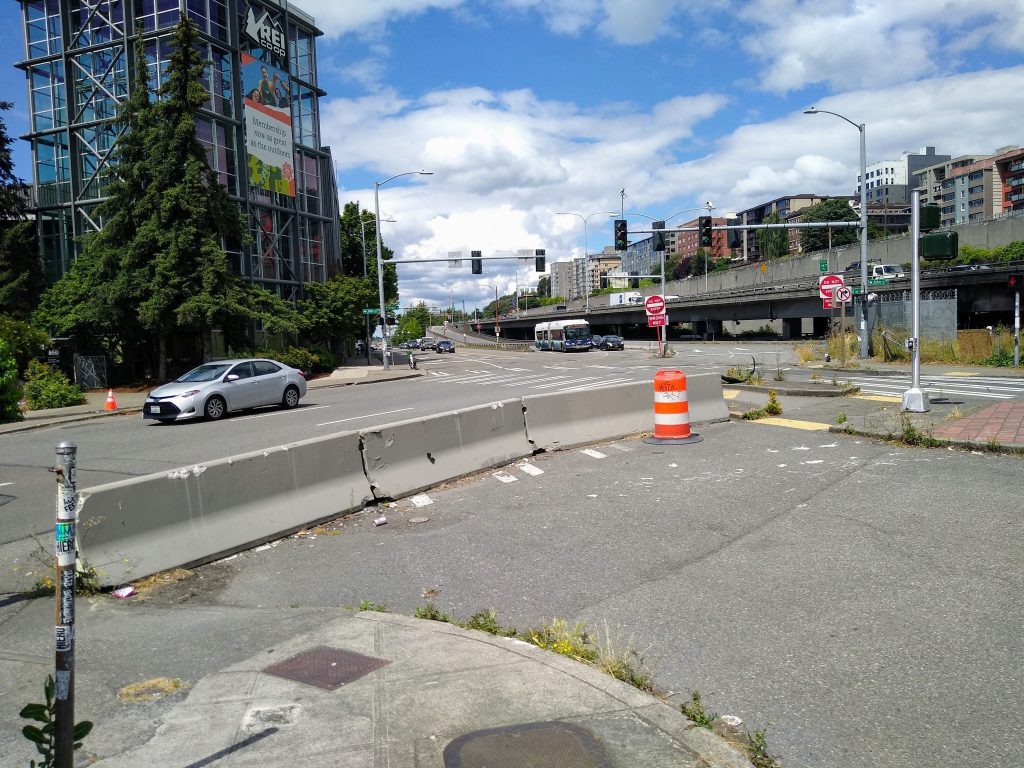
pixel 538 745
pixel 327 668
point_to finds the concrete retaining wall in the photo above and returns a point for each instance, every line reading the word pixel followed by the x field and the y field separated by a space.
pixel 136 527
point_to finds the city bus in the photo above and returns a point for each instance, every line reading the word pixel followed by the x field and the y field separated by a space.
pixel 563 336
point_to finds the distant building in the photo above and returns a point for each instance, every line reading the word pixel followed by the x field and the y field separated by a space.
pixel 973 187
pixel 1009 169
pixel 891 181
pixel 786 207
pixel 687 240
pixel 562 283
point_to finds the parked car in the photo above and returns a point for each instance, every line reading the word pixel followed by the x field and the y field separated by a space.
pixel 445 345
pixel 854 266
pixel 969 267
pixel 595 341
pixel 428 342
pixel 611 342
pixel 213 389
pixel 413 344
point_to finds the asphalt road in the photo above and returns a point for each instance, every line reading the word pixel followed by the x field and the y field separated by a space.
pixel 860 600
pixel 115 449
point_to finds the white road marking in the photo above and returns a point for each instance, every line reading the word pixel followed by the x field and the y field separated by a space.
pixel 531 469
pixel 365 416
pixel 563 383
pixel 278 413
pixel 593 453
pixel 505 478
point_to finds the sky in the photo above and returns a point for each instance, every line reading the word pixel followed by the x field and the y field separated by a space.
pixel 525 110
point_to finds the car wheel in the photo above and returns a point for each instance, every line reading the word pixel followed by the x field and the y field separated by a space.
pixel 215 408
pixel 291 397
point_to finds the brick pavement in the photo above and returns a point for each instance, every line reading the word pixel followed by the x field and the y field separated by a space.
pixel 1002 423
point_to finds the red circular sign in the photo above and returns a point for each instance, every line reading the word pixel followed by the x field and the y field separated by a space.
pixel 655 305
pixel 827 283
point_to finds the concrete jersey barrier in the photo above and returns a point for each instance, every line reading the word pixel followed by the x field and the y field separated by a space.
pixel 410 456
pixel 132 528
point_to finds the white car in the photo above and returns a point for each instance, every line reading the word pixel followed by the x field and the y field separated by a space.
pixel 886 271
pixel 213 389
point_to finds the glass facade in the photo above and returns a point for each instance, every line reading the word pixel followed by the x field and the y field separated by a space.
pixel 78 57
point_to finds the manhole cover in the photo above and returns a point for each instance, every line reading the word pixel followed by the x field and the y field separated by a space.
pixel 327 668
pixel 537 745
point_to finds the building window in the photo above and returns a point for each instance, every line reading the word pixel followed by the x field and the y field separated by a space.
pixel 271 254
pixel 42 28
pixel 220 151
pixel 151 15
pixel 218 80
pixel 311 251
pixel 308 183
pixel 211 16
pixel 304 117
pixel 301 47
pixel 158 58
pixel 49 105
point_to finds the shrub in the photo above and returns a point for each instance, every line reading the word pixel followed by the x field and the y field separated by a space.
pixel 10 388
pixel 25 341
pixel 296 357
pixel 46 387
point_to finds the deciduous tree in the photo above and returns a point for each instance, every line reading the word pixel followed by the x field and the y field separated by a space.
pixel 833 209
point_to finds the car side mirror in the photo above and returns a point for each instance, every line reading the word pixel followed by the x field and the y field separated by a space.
pixel 231 377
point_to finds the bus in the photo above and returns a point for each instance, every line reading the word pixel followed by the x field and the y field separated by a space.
pixel 563 336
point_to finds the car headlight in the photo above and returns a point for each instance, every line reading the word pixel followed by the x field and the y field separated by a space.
pixel 190 393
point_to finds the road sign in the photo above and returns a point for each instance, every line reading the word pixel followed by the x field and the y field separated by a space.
pixel 823 265
pixel 655 321
pixel 393 307
pixel 828 283
pixel 877 281
pixel 655 305
pixel 842 294
pixel 371 311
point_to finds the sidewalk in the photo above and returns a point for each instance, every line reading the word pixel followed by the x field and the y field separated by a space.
pixel 381 689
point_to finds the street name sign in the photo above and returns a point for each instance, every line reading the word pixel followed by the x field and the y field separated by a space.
pixel 371 311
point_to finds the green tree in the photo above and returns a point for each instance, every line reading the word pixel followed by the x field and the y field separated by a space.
pixel 834 209
pixel 353 224
pixel 10 389
pixel 544 286
pixel 701 262
pixel 23 340
pixel 13 202
pixel 21 273
pixel 333 311
pixel 773 243
pixel 409 327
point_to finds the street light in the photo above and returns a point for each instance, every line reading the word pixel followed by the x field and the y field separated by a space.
pixel 386 352
pixel 586 247
pixel 362 241
pixel 863 226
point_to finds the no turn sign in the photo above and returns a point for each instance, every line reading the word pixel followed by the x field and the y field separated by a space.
pixel 655 305
pixel 843 294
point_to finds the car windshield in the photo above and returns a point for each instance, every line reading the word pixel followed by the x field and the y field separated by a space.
pixel 204 373
pixel 612 338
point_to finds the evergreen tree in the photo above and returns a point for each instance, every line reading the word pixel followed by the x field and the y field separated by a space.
pixel 12 199
pixel 351 234
pixel 21 274
pixel 833 209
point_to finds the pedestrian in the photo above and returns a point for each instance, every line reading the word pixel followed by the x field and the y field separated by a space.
pixel 359 347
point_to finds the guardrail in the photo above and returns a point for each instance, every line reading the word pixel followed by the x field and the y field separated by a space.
pixel 192 515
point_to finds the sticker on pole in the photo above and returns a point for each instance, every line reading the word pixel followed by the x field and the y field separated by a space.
pixel 655 305
pixel 828 283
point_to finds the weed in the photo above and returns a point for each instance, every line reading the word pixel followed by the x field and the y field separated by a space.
pixel 912 435
pixel 558 637
pixel 993 445
pixel 44 737
pixel 806 352
pixel 841 417
pixel 754 414
pixel 773 407
pixel 755 378
pixel 759 750
pixel 487 621
pixel 366 605
pixel 695 711
pixel 624 663
pixel 780 375
pixel 737 373
pixel 150 690
pixel 433 613
pixel 815 376
pixel 954 414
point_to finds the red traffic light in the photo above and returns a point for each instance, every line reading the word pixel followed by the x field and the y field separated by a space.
pixel 1016 282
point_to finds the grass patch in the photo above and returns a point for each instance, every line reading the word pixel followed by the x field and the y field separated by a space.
pixel 366 605
pixel 805 353
pixel 841 417
pixel 772 408
pixel 911 434
pixel 694 710
pixel 150 690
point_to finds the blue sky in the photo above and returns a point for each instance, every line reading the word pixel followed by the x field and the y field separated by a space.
pixel 525 108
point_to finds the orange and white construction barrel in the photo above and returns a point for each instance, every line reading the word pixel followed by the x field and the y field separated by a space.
pixel 671 410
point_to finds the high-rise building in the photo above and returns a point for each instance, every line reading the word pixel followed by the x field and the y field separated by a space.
pixel 261 124
pixel 891 181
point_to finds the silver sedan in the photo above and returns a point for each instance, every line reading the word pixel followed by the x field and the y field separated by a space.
pixel 213 389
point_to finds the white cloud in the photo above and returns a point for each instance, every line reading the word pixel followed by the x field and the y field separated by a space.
pixel 505 162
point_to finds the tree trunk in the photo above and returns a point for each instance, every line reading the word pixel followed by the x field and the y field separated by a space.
pixel 161 352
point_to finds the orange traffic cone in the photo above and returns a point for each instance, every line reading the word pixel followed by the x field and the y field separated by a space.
pixel 111 402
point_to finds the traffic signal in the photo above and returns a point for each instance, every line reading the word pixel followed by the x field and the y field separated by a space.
pixel 621 235
pixel 704 232
pixel 634 282
pixel 1016 282
pixel 937 246
pixel 540 262
pixel 477 262
pixel 658 241
pixel 930 218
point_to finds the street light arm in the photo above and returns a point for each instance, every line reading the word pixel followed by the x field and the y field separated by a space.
pixel 815 111
pixel 379 184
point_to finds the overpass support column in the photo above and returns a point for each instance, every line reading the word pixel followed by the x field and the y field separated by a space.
pixel 712 329
pixel 821 327
pixel 791 328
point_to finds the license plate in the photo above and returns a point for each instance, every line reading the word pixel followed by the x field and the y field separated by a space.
pixel 154 409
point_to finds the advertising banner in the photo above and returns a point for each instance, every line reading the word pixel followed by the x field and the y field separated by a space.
pixel 268 126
